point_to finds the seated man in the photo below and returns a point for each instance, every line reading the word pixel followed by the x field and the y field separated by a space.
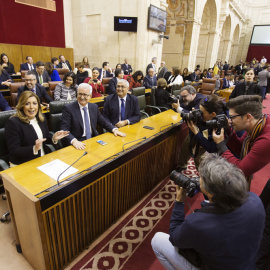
pixel 119 74
pixel 224 234
pixel 121 109
pixel 81 118
pixel 42 75
pixel 55 62
pixel 245 113
pixel 4 104
pixel 150 79
pixel 31 85
pixel 29 65
pixel 126 67
pixel 64 63
pixel 226 82
pixel 105 71
pixel 195 76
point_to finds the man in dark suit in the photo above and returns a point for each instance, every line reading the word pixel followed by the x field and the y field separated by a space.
pixel 152 65
pixel 42 75
pixel 195 76
pixel 55 62
pixel 64 63
pixel 126 67
pixel 162 70
pixel 122 109
pixel 4 104
pixel 29 65
pixel 31 85
pixel 239 68
pixel 225 68
pixel 105 71
pixel 119 74
pixel 226 82
pixel 150 79
pixel 82 117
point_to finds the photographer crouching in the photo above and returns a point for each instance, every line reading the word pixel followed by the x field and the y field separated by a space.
pixel 210 114
pixel 224 234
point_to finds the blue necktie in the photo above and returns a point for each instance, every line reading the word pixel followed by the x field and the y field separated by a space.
pixel 122 109
pixel 87 123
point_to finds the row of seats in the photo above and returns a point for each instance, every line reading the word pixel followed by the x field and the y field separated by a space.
pixel 61 71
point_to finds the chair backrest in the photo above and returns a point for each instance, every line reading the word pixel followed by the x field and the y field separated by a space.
pixel 62 72
pixel 105 83
pixel 142 102
pixel 175 87
pixel 56 108
pixel 207 88
pixel 153 97
pixel 4 116
pixel 14 92
pixel 52 86
pixel 207 80
pixel 176 93
pixel 23 72
pixel 138 91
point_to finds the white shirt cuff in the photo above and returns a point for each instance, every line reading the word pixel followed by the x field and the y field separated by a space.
pixel 179 109
pixel 35 152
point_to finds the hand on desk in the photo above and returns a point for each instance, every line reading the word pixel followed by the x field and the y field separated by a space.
pixel 78 145
pixel 116 132
pixel 121 123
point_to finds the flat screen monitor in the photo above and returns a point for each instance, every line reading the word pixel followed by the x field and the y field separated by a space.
pixel 157 19
pixel 125 24
pixel 260 35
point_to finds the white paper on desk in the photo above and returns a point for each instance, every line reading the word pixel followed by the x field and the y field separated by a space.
pixel 56 167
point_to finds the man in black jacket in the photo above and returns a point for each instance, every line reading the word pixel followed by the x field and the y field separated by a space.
pixel 119 74
pixel 64 63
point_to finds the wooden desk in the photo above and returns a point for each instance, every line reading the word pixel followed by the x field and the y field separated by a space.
pixel 53 227
pixel 225 93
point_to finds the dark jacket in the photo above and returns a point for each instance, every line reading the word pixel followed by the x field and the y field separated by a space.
pixel 194 77
pixel 107 74
pixel 148 82
pixel 162 98
pixel 162 72
pixel 4 77
pixel 111 109
pixel 68 64
pixel 45 76
pixel 195 103
pixel 21 138
pixel 112 86
pixel 127 69
pixel 4 104
pixel 240 89
pixel 24 66
pixel 40 91
pixel 226 83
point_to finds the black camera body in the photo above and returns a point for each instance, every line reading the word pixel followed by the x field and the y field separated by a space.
pixel 195 116
pixel 219 122
pixel 192 185
pixel 173 99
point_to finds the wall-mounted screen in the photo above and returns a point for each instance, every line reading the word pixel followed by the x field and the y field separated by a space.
pixel 260 35
pixel 157 19
pixel 125 24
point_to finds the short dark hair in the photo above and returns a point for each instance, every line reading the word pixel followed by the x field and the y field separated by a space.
pixel 54 59
pixel 213 103
pixel 60 56
pixel 72 75
pixel 27 57
pixel 224 181
pixel 176 71
pixel 118 71
pixel 40 64
pixel 80 65
pixel 265 67
pixel 247 104
pixel 105 64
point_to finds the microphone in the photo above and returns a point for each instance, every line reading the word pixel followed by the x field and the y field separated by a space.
pixel 165 126
pixel 85 153
pixel 132 142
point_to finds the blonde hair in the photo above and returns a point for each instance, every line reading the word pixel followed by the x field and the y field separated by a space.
pixel 21 103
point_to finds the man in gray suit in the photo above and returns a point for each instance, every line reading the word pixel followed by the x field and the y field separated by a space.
pixel 263 75
pixel 162 70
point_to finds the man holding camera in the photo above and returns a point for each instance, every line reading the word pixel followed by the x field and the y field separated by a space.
pixel 245 113
pixel 224 234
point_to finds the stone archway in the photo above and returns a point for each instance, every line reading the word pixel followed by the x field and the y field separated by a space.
pixel 225 41
pixel 207 34
pixel 235 44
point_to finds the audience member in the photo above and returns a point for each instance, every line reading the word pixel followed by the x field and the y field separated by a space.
pixel 136 80
pixel 209 73
pixel 257 69
pixel 116 67
pixel 226 81
pixel 195 76
pixel 41 74
pixel 215 70
pixel 4 104
pixel 9 67
pixel 231 81
pixel 67 90
pixel 27 133
pixel 64 63
pixel 81 73
pixel 126 67
pixel 97 87
pixel 238 68
pixel 55 62
pixel 81 119
pixel 53 73
pixel 29 65
pixel 226 68
pixel 186 75
pixel 204 74
pixel 105 71
pixel 85 62
pixel 161 70
pixel 152 65
pixel 224 234
pixel 5 79
pixel 217 84
pixel 248 87
pixel 263 60
pixel 150 79
pixel 263 76
pixel 121 109
pixel 162 95
pixel 245 113
pixel 31 85
pixel 175 78
pixel 119 74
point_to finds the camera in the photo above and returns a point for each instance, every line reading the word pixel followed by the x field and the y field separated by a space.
pixel 219 122
pixel 95 81
pixel 192 185
pixel 195 116
pixel 173 99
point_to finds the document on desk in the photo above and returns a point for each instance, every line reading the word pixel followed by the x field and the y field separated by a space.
pixel 55 168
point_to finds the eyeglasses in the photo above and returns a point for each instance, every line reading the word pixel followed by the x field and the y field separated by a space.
pixel 29 80
pixel 185 96
pixel 84 95
pixel 233 116
pixel 121 86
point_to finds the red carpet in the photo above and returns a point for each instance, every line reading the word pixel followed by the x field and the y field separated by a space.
pixel 128 246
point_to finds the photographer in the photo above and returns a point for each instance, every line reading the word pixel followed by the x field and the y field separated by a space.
pixel 224 234
pixel 245 113
pixel 200 135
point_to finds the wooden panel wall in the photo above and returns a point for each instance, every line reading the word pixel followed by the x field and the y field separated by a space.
pixel 18 53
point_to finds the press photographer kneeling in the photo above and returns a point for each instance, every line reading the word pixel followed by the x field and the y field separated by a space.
pixel 211 115
pixel 224 234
